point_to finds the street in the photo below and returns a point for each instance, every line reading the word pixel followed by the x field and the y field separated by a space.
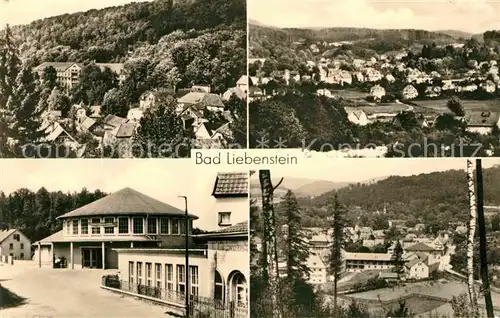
pixel 68 293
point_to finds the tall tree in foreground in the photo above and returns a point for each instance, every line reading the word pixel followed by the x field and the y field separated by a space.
pixel 10 65
pixel 470 237
pixel 338 242
pixel 482 240
pixel 296 247
pixel 270 273
pixel 26 126
pixel 397 259
pixel 162 134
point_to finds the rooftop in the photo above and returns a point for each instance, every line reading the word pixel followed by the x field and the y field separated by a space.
pixel 5 234
pixel 231 184
pixel 367 256
pixel 59 237
pixel 126 202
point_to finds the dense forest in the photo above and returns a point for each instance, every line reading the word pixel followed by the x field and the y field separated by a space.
pixel 176 44
pixel 436 198
pixel 35 213
pixel 273 42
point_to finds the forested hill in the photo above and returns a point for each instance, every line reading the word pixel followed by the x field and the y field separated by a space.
pixel 258 32
pixel 107 35
pixel 438 196
pixel 35 213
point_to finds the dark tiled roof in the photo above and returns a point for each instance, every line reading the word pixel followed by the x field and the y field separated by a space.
pixel 113 120
pixel 420 247
pixel 125 202
pixel 237 228
pixel 229 184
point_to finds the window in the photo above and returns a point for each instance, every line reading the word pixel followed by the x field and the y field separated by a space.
pixel 22 246
pixel 175 226
pixel 138 226
pixel 224 218
pixel 139 273
pixel 158 275
pixel 11 246
pixel 241 287
pixel 17 237
pixel 67 227
pixel 182 226
pixel 194 279
pixel 84 223
pixel 219 287
pixel 75 227
pixel 169 277
pixel 163 226
pixel 148 274
pixel 152 226
pixel 109 225
pixel 130 273
pixel 22 256
pixel 123 225
pixel 181 281
pixel 96 226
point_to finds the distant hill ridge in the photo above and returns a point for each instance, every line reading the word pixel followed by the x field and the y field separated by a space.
pixel 352 33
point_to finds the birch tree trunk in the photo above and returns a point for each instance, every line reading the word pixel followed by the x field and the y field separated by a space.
pixel 271 251
pixel 471 234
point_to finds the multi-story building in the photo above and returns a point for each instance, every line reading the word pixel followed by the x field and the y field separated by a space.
pixel 358 262
pixel 126 218
pixel 219 268
pixel 318 271
pixel 68 73
pixel 15 244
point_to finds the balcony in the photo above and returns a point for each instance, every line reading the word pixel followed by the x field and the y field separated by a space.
pixel 200 306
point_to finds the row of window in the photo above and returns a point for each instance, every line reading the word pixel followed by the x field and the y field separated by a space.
pixel 164 277
pixel 108 225
pixel 21 246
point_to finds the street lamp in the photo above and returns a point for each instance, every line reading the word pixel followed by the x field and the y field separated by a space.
pixel 186 224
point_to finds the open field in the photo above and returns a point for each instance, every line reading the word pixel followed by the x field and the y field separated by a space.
pixel 68 293
pixel 439 105
pixel 350 93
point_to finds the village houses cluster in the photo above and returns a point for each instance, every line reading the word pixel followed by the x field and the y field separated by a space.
pixel 344 71
pixel 193 104
pixel 423 255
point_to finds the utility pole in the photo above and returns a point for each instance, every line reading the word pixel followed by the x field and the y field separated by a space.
pixel 482 240
pixel 186 224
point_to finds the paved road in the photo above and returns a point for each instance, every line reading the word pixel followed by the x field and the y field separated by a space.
pixel 68 293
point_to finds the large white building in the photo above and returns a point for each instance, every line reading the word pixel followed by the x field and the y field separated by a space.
pixel 219 268
pixel 126 218
pixel 15 244
pixel 359 262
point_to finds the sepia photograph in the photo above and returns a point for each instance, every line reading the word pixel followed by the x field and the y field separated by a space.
pixel 122 78
pixel 389 238
pixel 375 78
pixel 91 245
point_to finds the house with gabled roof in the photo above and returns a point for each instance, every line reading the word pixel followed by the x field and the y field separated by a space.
pixel 202 101
pixel 357 116
pixel 15 244
pixel 482 122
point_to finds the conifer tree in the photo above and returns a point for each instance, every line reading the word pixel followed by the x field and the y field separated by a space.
pixel 23 102
pixel 397 258
pixel 296 249
pixel 338 243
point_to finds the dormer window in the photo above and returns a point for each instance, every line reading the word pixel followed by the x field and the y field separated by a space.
pixel 224 218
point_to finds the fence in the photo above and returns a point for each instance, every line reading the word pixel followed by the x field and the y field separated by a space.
pixel 200 307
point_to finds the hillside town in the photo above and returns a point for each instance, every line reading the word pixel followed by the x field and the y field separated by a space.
pixel 204 115
pixel 144 249
pixel 413 265
pixel 435 85
pixel 80 89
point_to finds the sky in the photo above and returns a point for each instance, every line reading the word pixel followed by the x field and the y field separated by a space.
pixel 162 179
pixel 474 16
pixel 360 170
pixel 25 11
